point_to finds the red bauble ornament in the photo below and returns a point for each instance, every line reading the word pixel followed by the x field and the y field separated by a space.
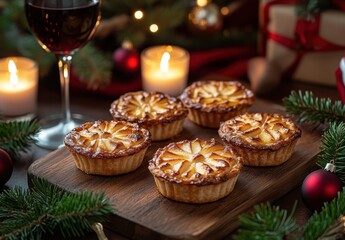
pixel 126 59
pixel 6 167
pixel 320 186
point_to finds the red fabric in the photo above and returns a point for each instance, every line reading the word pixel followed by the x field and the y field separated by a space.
pixel 340 83
pixel 233 59
pixel 116 88
pixel 199 59
pixel 340 4
pixel 235 70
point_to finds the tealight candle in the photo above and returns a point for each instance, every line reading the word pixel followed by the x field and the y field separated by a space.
pixel 165 69
pixel 18 86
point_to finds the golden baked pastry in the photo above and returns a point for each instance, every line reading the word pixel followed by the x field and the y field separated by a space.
pixel 196 171
pixel 159 113
pixel 262 139
pixel 108 147
pixel 212 102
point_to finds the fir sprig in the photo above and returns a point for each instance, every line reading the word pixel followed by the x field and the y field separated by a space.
pixel 310 8
pixel 335 231
pixel 46 209
pixel 333 149
pixel 320 222
pixel 16 136
pixel 268 222
pixel 313 109
pixel 92 66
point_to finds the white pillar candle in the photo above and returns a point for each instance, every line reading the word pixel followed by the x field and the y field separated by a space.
pixel 18 86
pixel 164 69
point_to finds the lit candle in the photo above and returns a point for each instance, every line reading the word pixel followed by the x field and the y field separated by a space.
pixel 18 86
pixel 165 69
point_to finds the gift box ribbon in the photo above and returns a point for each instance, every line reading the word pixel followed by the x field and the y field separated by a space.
pixel 266 18
pixel 340 75
pixel 307 37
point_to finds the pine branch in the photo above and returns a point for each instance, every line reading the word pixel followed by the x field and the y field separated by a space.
pixel 268 222
pixel 313 109
pixel 92 66
pixel 335 231
pixel 333 149
pixel 46 209
pixel 310 8
pixel 320 222
pixel 16 136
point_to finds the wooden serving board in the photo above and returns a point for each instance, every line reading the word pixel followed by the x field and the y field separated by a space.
pixel 142 213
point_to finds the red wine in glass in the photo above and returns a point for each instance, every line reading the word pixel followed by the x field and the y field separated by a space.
pixel 62 27
pixel 62 30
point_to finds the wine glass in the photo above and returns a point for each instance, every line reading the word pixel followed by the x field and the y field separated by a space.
pixel 62 27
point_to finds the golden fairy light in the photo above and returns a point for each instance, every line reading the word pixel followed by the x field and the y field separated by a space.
pixel 201 3
pixel 225 11
pixel 154 28
pixel 138 14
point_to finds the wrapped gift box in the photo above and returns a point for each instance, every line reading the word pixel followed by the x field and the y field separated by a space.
pixel 340 74
pixel 304 50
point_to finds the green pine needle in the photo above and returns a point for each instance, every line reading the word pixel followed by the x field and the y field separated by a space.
pixel 319 222
pixel 335 231
pixel 310 8
pixel 46 209
pixel 16 136
pixel 333 149
pixel 268 222
pixel 313 109
pixel 92 66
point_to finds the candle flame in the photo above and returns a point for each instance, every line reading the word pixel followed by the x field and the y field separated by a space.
pixel 164 66
pixel 12 68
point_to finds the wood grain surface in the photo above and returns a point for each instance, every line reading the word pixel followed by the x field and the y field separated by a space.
pixel 142 213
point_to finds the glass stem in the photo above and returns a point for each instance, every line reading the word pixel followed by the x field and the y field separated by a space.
pixel 64 69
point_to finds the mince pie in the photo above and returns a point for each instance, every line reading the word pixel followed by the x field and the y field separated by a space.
pixel 262 139
pixel 211 102
pixel 197 171
pixel 108 147
pixel 159 113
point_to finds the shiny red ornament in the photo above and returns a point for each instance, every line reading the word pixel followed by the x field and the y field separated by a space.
pixel 319 187
pixel 126 59
pixel 6 167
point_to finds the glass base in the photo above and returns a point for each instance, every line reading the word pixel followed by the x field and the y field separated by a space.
pixel 26 117
pixel 54 129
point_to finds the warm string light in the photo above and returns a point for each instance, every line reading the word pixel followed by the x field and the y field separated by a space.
pixel 138 14
pixel 201 3
pixel 154 28
pixel 225 11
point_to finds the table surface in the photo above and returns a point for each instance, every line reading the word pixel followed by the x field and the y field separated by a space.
pixel 97 107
